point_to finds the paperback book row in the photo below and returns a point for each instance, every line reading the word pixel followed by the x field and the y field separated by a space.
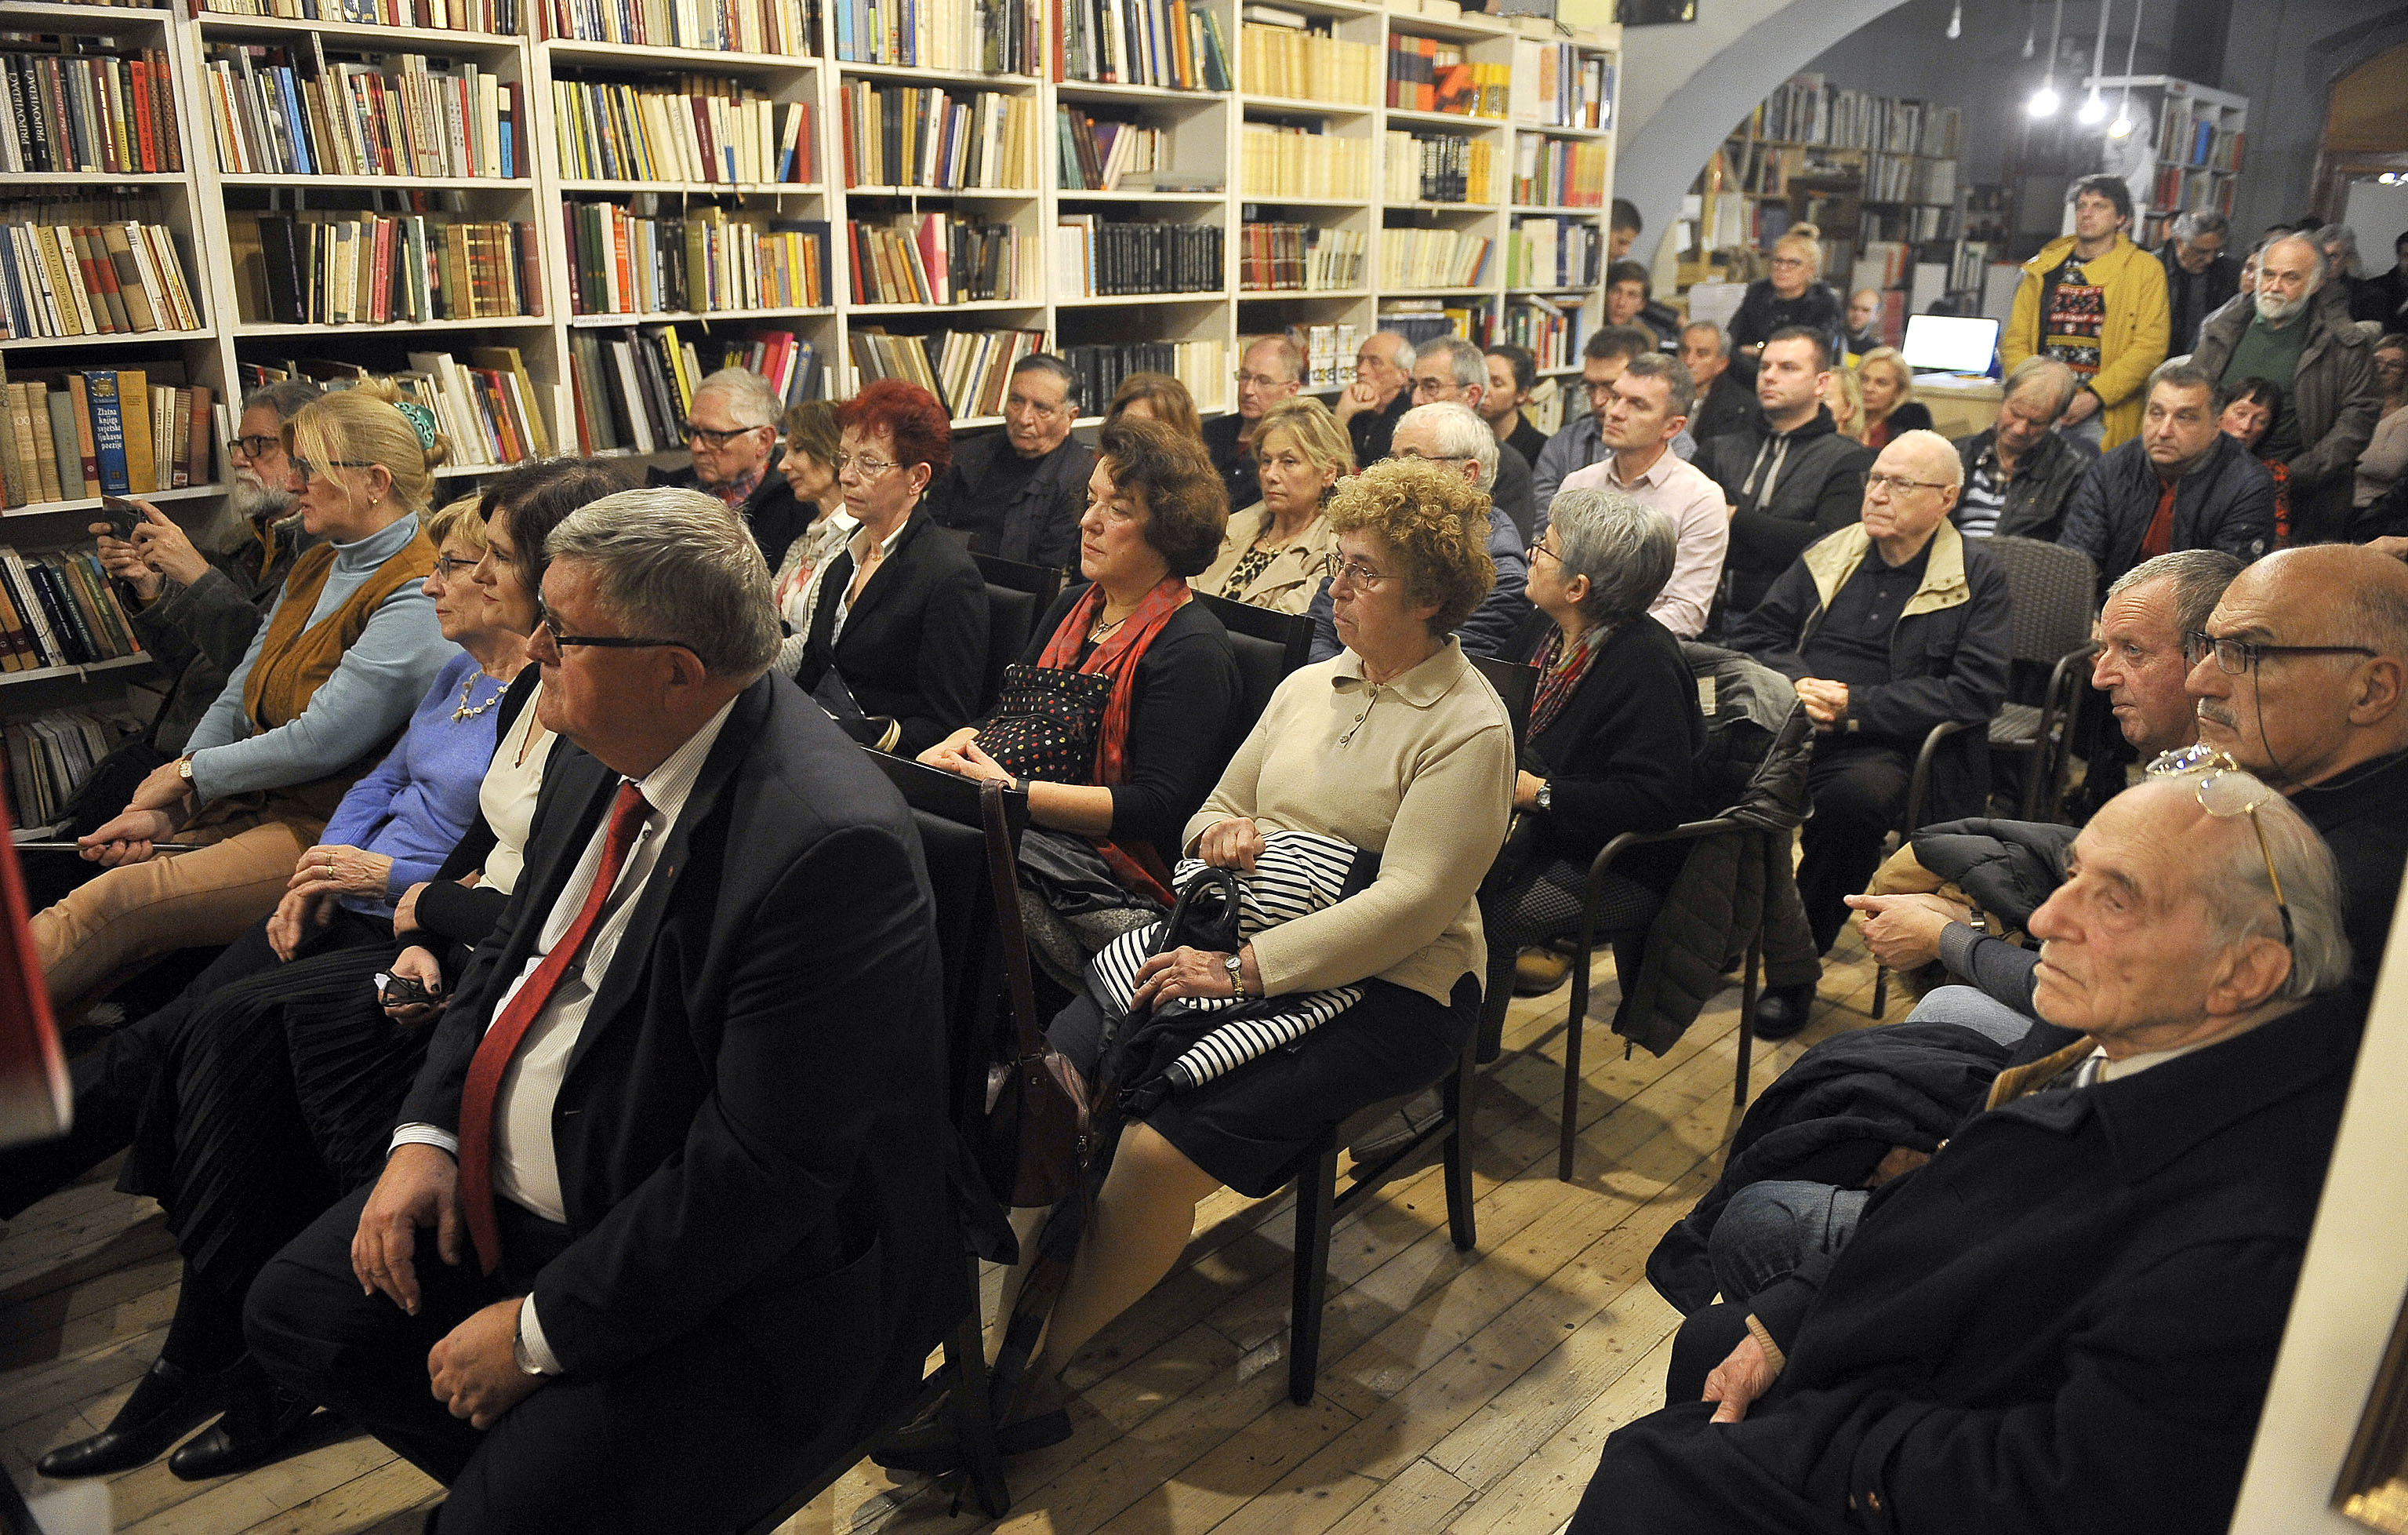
pixel 56 609
pixel 1428 75
pixel 375 269
pixel 974 37
pixel 909 136
pixel 1806 109
pixel 1419 320
pixel 1557 86
pixel 706 261
pixel 937 258
pixel 71 278
pixel 1909 179
pixel 1328 352
pixel 1559 173
pixel 967 370
pixel 697 130
pixel 1281 258
pixel 1550 330
pixel 289 111
pixel 630 389
pixel 2190 134
pixel 1100 153
pixel 1276 161
pixel 2176 188
pixel 1286 54
pixel 90 112
pixel 104 431
pixel 1555 254
pixel 1165 43
pixel 1202 366
pixel 49 757
pixel 485 403
pixel 1094 259
pixel 1439 168
pixel 1432 258
pixel 498 17
pixel 718 27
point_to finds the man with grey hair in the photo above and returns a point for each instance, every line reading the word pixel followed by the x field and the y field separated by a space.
pixel 2020 473
pixel 1270 370
pixel 1450 369
pixel 2297 335
pixel 681 1131
pixel 1383 390
pixel 1652 401
pixel 2181 484
pixel 731 431
pixel 2067 1319
pixel 1724 401
pixel 1020 492
pixel 2202 276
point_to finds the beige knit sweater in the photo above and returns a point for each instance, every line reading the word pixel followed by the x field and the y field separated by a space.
pixel 1420 770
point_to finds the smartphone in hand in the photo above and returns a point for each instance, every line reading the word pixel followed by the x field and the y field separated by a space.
pixel 122 516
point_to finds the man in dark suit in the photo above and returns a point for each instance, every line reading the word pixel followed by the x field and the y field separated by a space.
pixel 695 1229
pixel 2067 1318
pixel 1018 493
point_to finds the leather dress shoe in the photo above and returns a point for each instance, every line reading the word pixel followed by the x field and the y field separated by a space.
pixel 1538 971
pixel 259 1427
pixel 1781 1012
pixel 931 1445
pixel 167 1404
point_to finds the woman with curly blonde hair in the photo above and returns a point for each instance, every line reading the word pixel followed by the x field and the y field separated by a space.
pixel 1397 747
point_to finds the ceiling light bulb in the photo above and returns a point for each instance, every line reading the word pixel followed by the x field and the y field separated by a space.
pixel 2092 110
pixel 1956 20
pixel 2120 128
pixel 2043 102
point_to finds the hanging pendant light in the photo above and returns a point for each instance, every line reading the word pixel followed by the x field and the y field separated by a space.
pixel 2093 107
pixel 2043 102
pixel 1956 20
pixel 2032 29
pixel 2122 126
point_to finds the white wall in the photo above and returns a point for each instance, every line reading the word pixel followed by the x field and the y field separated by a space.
pixel 2380 215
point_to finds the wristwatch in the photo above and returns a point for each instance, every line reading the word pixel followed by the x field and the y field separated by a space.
pixel 184 766
pixel 1236 965
pixel 1545 797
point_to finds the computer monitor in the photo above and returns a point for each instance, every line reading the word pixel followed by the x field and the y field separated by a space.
pixel 1940 343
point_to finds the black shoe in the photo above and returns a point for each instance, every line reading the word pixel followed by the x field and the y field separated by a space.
pixel 1782 1012
pixel 164 1407
pixel 258 1428
pixel 931 1446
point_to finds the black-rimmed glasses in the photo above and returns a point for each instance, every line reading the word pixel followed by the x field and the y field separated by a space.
pixel 310 469
pixel 597 641
pixel 2235 656
pixel 2225 790
pixel 716 436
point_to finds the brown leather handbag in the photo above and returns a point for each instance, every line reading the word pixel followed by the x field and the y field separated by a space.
pixel 1039 1138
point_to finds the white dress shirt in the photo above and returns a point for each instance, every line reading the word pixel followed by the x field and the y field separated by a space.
pixel 523 1166
pixel 1701 526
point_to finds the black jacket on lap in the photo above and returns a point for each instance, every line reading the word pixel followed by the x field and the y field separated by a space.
pixel 914 646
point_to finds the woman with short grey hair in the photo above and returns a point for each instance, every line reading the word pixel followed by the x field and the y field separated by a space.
pixel 1612 744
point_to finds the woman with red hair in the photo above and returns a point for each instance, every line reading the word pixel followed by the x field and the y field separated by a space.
pixel 896 646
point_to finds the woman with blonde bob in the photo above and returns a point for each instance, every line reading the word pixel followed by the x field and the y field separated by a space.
pixel 1273 552
pixel 1397 746
pixel 330 677
pixel 1844 391
pixel 1890 408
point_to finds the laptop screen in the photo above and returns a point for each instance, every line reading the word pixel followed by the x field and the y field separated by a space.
pixel 1940 343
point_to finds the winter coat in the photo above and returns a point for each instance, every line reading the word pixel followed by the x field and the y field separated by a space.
pixel 2226 503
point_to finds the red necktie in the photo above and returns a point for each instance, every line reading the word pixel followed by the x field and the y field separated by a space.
pixel 501 1040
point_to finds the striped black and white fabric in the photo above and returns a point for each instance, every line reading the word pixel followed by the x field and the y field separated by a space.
pixel 1299 873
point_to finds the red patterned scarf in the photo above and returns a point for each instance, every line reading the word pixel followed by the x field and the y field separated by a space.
pixel 1116 657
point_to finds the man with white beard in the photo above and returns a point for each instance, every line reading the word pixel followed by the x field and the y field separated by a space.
pixel 195 606
pixel 2295 333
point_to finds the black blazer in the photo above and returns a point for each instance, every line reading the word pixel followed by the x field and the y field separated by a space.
pixel 914 646
pixel 1621 755
pixel 752 1133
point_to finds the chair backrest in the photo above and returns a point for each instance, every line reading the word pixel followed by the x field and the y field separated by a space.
pixel 1293 632
pixel 1269 645
pixel 1012 618
pixel 1041 582
pixel 2053 594
pixel 1517 685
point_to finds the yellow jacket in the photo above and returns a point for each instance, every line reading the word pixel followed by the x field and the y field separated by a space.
pixel 2131 341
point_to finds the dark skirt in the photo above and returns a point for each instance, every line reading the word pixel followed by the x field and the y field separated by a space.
pixel 1253 1128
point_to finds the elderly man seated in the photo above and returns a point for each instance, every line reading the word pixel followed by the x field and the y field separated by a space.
pixel 2019 474
pixel 731 429
pixel 1889 626
pixel 2067 1318
pixel 2180 484
pixel 1018 493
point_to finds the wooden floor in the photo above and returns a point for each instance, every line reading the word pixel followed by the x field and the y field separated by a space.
pixel 1466 1393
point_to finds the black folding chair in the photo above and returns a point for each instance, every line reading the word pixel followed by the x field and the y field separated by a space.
pixel 1269 645
pixel 1017 595
pixel 2051 591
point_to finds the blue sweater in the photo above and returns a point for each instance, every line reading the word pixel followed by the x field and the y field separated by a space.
pixel 421 798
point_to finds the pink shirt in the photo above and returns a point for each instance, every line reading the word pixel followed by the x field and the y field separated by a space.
pixel 1701 526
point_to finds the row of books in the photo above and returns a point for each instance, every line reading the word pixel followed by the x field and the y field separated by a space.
pixel 935 258
pixel 1559 173
pixel 1167 43
pixel 1274 258
pixel 1910 223
pixel 1095 259
pixel 1096 154
pixel 1203 366
pixel 629 390
pixel 1419 320
pixel 1909 179
pixel 720 26
pixel 708 261
pixel 2189 134
pixel 375 269
pixel 1432 258
pixel 484 400
pixel 1807 110
pixel 926 137
pixel 104 431
pixel 90 112
pixel 1440 168
pixel 49 757
pixel 1328 352
pixel 56 609
pixel 1559 86
pixel 973 37
pixel 497 16
pixel 1304 63
pixel 1428 75
pixel 1555 254
pixel 699 129
pixel 77 278
pixel 292 112
pixel 967 370
pixel 1286 162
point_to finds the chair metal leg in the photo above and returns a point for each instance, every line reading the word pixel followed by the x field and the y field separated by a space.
pixel 1573 1028
pixel 1315 1190
pixel 1747 999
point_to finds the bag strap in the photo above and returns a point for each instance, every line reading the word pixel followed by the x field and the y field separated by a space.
pixel 1002 867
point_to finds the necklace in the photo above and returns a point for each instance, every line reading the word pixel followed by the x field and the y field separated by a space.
pixel 464 711
pixel 1102 629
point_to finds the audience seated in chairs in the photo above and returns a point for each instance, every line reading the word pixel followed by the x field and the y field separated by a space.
pixel 1889 627
pixel 327 680
pixel 1399 747
pixel 2250 409
pixel 1726 399
pixel 1450 369
pixel 1614 735
pixel 1580 440
pixel 1790 476
pixel 897 647
pixel 1156 396
pixel 809 467
pixel 731 431
pixel 1018 492
pixel 1843 395
pixel 1270 370
pixel 697 1217
pixel 1451 435
pixel 2020 473
pixel 2181 484
pixel 1150 678
pixel 1651 404
pixel 2069 1317
pixel 1383 390
pixel 1274 550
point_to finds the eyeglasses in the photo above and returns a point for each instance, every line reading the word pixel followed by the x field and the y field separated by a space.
pixel 597 641
pixel 1789 261
pixel 868 468
pixel 1415 456
pixel 1893 484
pixel 1597 390
pixel 1260 380
pixel 2226 790
pixel 451 566
pixel 2235 656
pixel 1337 565
pixel 1542 548
pixel 714 435
pixel 251 447
pixel 310 469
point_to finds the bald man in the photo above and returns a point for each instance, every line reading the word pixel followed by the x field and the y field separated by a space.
pixel 1864 321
